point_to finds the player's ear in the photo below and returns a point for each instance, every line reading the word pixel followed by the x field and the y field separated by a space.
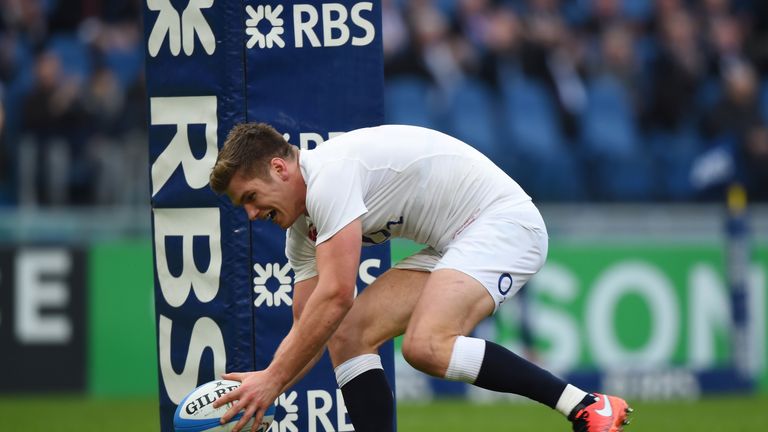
pixel 280 167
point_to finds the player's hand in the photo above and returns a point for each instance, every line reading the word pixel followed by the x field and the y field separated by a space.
pixel 256 393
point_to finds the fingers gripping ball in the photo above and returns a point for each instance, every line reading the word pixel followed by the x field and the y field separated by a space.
pixel 196 413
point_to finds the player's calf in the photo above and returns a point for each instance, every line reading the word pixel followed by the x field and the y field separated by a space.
pixel 367 394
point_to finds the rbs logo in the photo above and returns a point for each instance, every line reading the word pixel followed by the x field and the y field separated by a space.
pixel 332 25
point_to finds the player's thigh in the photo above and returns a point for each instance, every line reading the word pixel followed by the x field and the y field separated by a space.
pixel 379 313
pixel 452 304
pixel 499 253
pixel 492 259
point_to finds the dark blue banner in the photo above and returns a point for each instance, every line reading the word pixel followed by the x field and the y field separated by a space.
pixel 223 286
pixel 195 73
pixel 314 70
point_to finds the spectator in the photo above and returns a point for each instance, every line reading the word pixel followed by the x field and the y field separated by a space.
pixel 502 41
pixel 103 106
pixel 6 180
pixel 135 140
pixel 756 41
pixel 755 161
pixel 426 48
pixel 604 14
pixel 676 74
pixel 725 44
pixel 738 108
pixel 52 123
pixel 681 62
pixel 394 33
pixel 552 54
pixel 431 45
pixel 25 18
pixel 617 58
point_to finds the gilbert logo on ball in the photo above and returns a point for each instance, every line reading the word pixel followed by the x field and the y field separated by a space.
pixel 196 413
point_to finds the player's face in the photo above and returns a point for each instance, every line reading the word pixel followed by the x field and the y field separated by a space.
pixel 270 198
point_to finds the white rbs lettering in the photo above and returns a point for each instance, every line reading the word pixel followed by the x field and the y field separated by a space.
pixel 336 30
pixel 334 19
pixel 363 23
pixel 310 140
pixel 301 27
pixel 205 334
pixel 319 406
pixel 187 224
pixel 181 30
pixel 182 112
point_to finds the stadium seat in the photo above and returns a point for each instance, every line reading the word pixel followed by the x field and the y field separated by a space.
pixel 608 124
pixel 74 55
pixel 125 64
pixel 673 154
pixel 630 178
pixel 637 10
pixel 539 160
pixel 550 177
pixel 764 99
pixel 471 117
pixel 16 90
pixel 530 117
pixel 708 94
pixel 407 100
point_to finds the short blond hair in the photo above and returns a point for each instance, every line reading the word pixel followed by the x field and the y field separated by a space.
pixel 248 148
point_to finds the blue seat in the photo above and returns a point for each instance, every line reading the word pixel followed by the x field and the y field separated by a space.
pixel 630 178
pixel 471 117
pixel 126 64
pixel 530 117
pixel 74 55
pixel 407 100
pixel 673 154
pixel 608 125
pixel 764 99
pixel 708 94
pixel 637 10
pixel 556 177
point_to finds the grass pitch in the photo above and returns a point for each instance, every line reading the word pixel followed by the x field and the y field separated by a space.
pixel 727 414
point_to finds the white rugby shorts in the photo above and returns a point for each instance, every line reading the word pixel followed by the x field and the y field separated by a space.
pixel 502 249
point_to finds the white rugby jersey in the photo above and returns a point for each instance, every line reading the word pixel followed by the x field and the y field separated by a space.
pixel 402 181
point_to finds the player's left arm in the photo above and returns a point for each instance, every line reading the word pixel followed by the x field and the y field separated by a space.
pixel 332 297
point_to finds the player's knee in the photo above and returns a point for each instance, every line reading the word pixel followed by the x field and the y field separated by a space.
pixel 421 351
pixel 350 340
pixel 344 339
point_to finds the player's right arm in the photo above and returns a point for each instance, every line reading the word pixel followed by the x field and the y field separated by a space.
pixel 300 250
pixel 301 292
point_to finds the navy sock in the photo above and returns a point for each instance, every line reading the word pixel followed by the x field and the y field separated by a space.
pixel 504 371
pixel 588 400
pixel 369 402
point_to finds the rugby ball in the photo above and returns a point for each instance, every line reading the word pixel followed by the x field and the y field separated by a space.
pixel 196 413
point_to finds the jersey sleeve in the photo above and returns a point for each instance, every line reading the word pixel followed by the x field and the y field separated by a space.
pixel 335 198
pixel 300 251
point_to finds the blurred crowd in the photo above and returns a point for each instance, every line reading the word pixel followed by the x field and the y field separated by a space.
pixel 609 100
pixel 73 129
pixel 579 100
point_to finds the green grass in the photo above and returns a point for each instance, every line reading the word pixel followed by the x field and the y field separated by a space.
pixel 731 414
pixel 727 414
